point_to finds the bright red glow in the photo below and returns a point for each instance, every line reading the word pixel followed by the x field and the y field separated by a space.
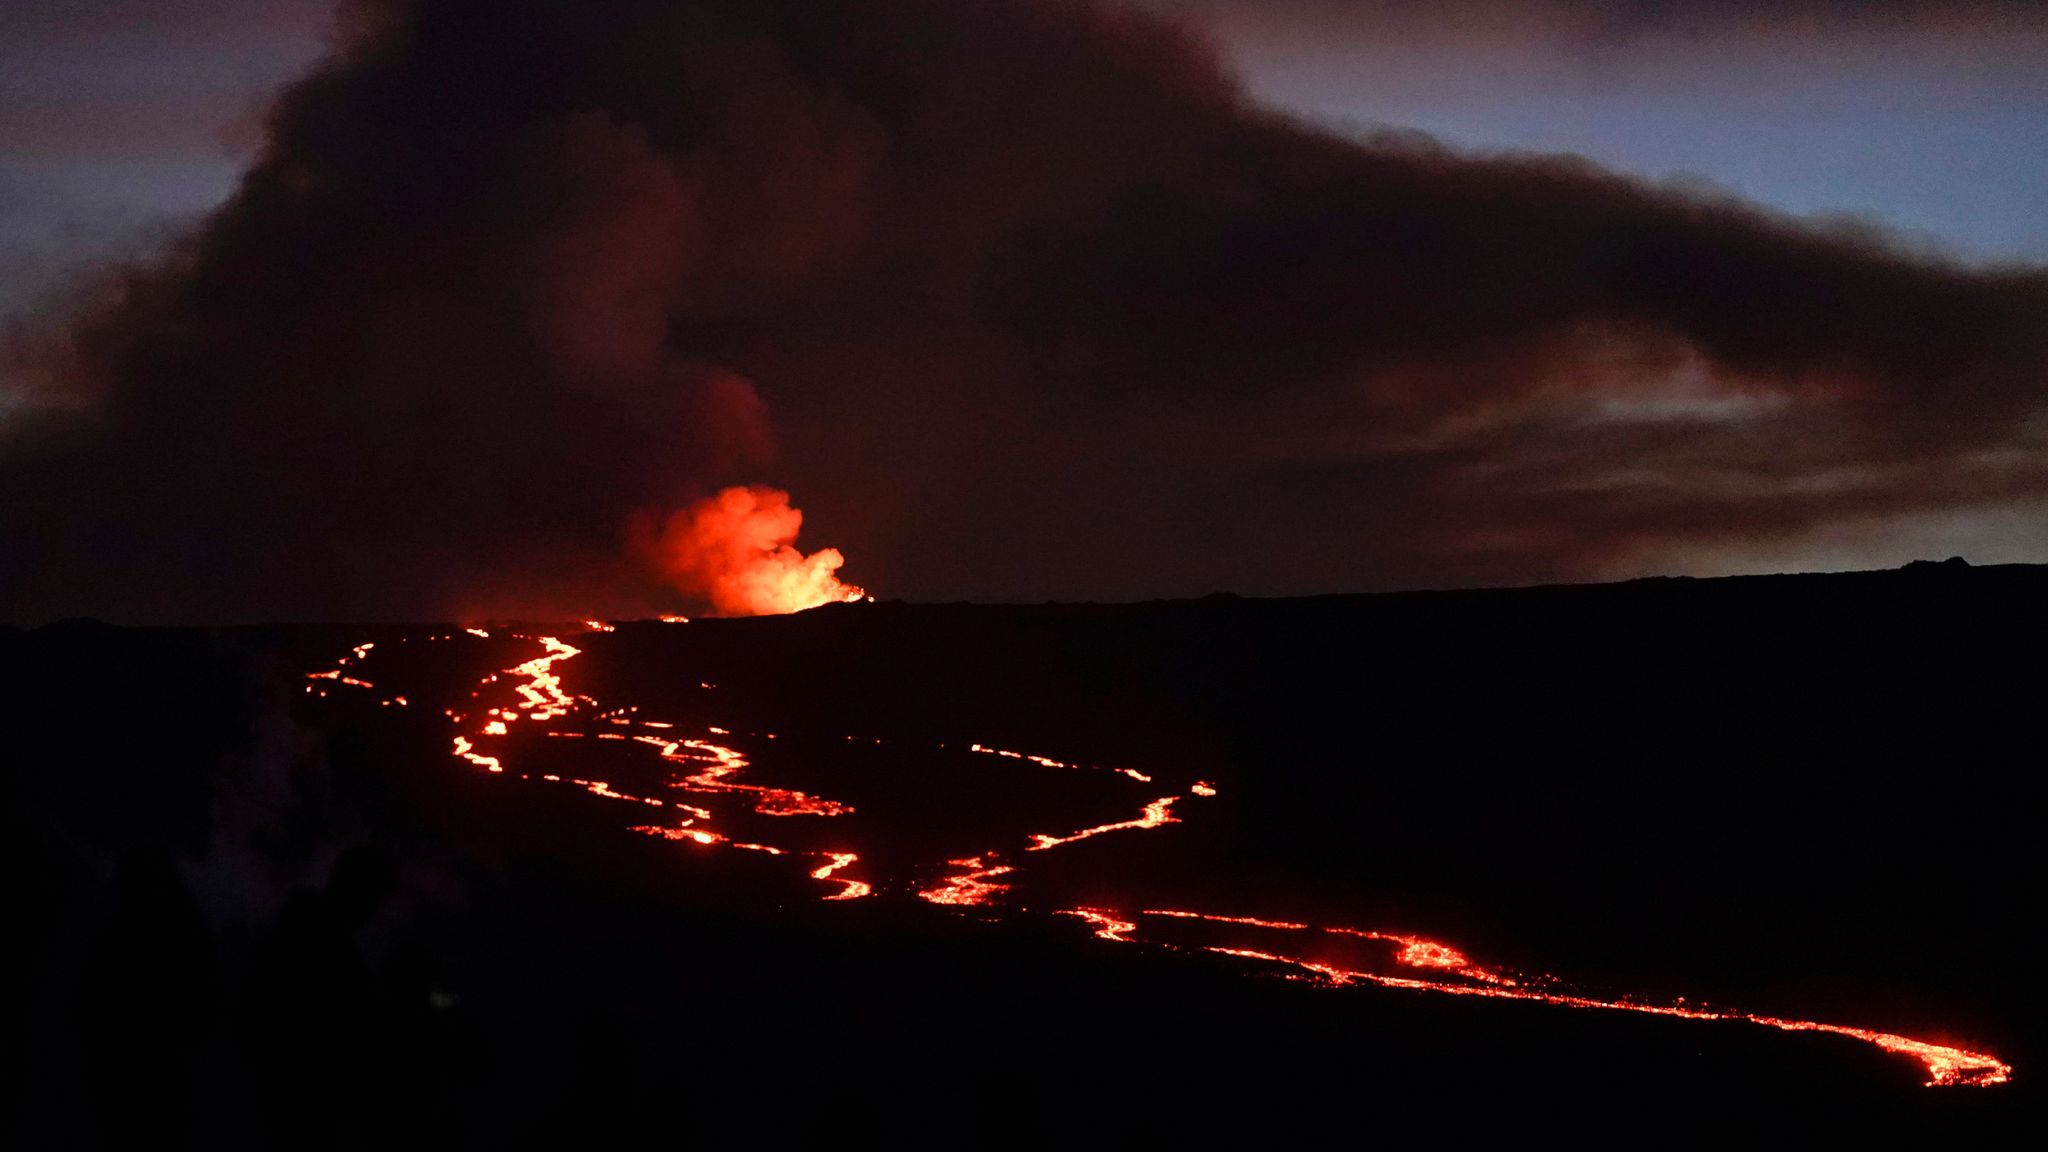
pixel 355 655
pixel 853 889
pixel 489 763
pixel 1049 762
pixel 968 887
pixel 1419 953
pixel 1248 954
pixel 683 832
pixel 1107 926
pixel 1251 920
pixel 722 763
pixel 532 696
pixel 1156 813
pixel 1458 976
pixel 543 693
pixel 737 551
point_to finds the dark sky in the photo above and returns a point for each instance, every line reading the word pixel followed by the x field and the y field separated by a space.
pixel 1020 299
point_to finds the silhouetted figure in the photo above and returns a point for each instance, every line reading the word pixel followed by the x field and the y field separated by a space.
pixel 145 1003
pixel 315 1017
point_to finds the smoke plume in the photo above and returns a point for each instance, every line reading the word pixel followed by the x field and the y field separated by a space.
pixel 1040 303
pixel 735 552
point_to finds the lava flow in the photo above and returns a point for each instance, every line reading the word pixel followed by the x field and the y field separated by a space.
pixel 1946 1066
pixel 530 697
pixel 1156 813
pixel 973 886
pixel 852 888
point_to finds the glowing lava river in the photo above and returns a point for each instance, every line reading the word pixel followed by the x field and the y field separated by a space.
pixel 525 722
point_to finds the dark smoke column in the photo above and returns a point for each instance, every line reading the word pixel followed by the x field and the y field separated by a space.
pixel 1041 304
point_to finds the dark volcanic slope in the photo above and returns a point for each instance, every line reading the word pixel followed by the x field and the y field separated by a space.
pixel 1794 795
pixel 1804 785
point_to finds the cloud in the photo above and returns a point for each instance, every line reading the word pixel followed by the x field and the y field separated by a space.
pixel 1039 302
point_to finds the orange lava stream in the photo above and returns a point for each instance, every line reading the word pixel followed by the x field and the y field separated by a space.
pixel 1107 926
pixel 1156 813
pixel 971 887
pixel 1419 953
pixel 489 763
pixel 854 888
pixel 972 882
pixel 1251 920
pixel 1946 1066
pixel 337 676
pixel 1049 762
pixel 683 832
pixel 723 762
pixel 541 694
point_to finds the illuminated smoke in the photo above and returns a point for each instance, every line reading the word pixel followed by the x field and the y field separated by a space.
pixel 422 365
pixel 736 551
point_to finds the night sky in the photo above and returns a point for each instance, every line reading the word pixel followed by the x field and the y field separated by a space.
pixel 1019 300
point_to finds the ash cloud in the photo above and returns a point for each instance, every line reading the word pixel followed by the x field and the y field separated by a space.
pixel 1040 305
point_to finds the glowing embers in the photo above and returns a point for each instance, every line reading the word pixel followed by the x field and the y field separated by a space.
pixel 1156 813
pixel 335 673
pixel 971 887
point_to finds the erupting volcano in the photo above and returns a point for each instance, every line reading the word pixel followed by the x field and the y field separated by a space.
pixel 1325 462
